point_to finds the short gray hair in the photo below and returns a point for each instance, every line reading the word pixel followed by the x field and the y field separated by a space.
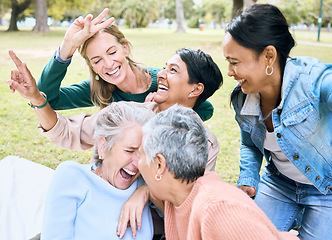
pixel 179 135
pixel 114 119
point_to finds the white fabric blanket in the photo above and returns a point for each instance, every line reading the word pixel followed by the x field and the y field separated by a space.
pixel 23 188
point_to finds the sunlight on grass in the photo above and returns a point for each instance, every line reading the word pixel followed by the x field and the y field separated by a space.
pixel 153 47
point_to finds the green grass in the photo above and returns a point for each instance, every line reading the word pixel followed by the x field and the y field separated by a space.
pixel 19 135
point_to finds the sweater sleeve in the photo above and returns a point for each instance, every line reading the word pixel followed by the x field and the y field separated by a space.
pixel 234 220
pixel 205 110
pixel 60 98
pixel 63 198
pixel 213 151
pixel 75 133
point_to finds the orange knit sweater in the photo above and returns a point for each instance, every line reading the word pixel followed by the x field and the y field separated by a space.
pixel 217 210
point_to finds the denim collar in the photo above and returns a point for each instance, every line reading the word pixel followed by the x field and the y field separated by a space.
pixel 251 105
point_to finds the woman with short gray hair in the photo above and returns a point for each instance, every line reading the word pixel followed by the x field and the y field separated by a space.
pixel 196 205
pixel 182 137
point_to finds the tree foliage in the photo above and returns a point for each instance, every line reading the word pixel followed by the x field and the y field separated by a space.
pixel 138 13
pixel 306 11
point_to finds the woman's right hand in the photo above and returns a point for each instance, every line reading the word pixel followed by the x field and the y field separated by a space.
pixel 251 191
pixel 80 30
pixel 132 210
pixel 23 81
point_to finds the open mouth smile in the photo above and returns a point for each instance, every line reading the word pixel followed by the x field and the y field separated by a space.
pixel 241 82
pixel 162 88
pixel 127 174
pixel 114 72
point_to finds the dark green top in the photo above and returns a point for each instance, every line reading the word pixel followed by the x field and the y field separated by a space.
pixel 78 95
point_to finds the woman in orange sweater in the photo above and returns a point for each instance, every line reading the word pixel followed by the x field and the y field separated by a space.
pixel 173 156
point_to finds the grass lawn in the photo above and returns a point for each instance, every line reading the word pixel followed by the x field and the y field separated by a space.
pixel 19 135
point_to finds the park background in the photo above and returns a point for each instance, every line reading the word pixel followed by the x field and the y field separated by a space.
pixel 152 45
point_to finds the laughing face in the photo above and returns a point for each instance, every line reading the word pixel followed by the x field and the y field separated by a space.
pixel 173 84
pixel 245 66
pixel 120 164
pixel 107 58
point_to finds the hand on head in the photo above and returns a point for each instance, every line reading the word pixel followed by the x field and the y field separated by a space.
pixel 21 80
pixel 80 30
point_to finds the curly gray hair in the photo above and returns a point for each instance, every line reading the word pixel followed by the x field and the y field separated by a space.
pixel 179 135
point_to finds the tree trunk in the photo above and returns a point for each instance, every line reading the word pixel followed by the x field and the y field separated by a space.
pixel 17 9
pixel 237 8
pixel 1 14
pixel 179 17
pixel 41 16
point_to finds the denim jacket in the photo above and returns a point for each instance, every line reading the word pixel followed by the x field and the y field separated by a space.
pixel 302 124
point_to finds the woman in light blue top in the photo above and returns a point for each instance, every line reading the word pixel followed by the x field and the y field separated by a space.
pixel 284 109
pixel 84 201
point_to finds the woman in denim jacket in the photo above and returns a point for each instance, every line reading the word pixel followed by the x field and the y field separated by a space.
pixel 284 109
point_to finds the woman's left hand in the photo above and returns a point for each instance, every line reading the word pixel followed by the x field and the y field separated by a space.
pixel 131 211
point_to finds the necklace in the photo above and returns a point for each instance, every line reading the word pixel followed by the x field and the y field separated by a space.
pixel 267 117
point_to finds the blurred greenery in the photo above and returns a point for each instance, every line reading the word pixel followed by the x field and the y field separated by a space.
pixel 19 135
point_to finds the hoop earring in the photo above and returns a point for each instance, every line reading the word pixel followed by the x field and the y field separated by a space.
pixel 266 69
pixel 97 77
pixel 158 178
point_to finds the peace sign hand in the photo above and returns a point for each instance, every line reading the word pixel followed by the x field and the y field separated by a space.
pixel 80 30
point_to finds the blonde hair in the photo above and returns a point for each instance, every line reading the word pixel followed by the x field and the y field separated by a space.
pixel 101 91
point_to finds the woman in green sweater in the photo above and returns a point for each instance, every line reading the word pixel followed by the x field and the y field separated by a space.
pixel 114 75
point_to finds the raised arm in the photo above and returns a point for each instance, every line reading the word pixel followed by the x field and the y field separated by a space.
pixel 60 98
pixel 74 132
pixel 22 81
pixel 76 95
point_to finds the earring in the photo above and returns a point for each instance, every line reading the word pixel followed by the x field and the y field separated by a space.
pixel 190 95
pixel 158 178
pixel 97 77
pixel 266 69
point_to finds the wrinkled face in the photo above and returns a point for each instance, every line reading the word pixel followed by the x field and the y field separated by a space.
pixel 245 66
pixel 149 173
pixel 120 164
pixel 173 84
pixel 108 58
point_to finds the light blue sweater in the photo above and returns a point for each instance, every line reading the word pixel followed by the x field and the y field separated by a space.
pixel 81 205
